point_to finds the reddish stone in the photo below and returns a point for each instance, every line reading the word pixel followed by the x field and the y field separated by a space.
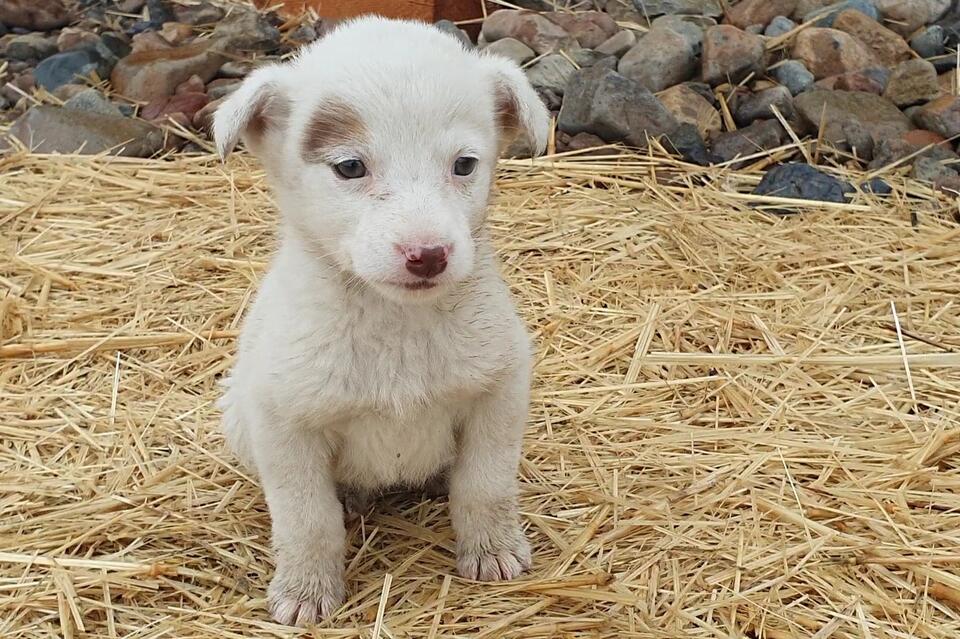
pixel 186 103
pixel 148 41
pixel 176 32
pixel 72 38
pixel 590 28
pixel 532 29
pixel 853 81
pixel 941 116
pixel 150 75
pixel 889 47
pixel 193 85
pixel 34 15
pixel 730 55
pixel 827 52
pixel 921 138
pixel 750 12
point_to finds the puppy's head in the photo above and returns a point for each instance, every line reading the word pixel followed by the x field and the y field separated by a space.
pixel 380 141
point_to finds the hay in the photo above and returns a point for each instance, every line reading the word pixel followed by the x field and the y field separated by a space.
pixel 742 425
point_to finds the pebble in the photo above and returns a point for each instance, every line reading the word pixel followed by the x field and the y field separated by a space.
pixel 92 101
pixel 64 68
pixel 222 87
pixel 582 142
pixel 35 15
pixel 801 182
pixel 912 82
pixel 66 91
pixel 444 25
pixel 886 45
pixel 613 107
pixel 929 42
pixel 690 30
pixel 150 75
pixel 652 8
pixel 759 106
pixel 779 26
pixel 930 170
pixel 149 41
pixel 750 12
pixel 584 58
pixel 245 30
pixel 70 38
pixel 511 49
pixel 730 55
pixel 687 142
pixel 532 29
pixel 868 80
pixel 589 28
pixel 838 109
pixel 551 72
pixel 760 136
pixel 794 75
pixel 877 186
pixel 204 13
pixel 826 16
pixel 941 116
pixel 176 33
pixel 187 104
pixel 49 129
pixel 828 52
pixel 661 59
pixel 31 47
pixel 688 106
pixel 905 17
pixel 618 44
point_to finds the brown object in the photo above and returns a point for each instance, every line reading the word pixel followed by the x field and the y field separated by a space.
pixel 426 10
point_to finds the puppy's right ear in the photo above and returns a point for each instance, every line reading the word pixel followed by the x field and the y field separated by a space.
pixel 252 113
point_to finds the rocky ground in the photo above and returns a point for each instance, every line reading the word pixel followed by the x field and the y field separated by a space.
pixel 874 81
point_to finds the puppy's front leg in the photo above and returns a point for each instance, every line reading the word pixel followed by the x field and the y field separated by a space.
pixel 483 485
pixel 308 529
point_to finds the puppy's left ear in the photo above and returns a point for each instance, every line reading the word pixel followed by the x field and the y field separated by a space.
pixel 520 111
pixel 255 111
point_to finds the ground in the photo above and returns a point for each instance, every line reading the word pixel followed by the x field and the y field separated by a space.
pixel 742 425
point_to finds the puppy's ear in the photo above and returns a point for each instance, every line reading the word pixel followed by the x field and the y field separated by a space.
pixel 520 112
pixel 252 112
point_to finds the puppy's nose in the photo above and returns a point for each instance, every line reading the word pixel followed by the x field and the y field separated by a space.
pixel 426 261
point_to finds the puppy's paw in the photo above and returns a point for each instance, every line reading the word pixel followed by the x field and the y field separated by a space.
pixel 495 562
pixel 302 597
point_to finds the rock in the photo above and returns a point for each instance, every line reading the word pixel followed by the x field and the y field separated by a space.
pixel 196 14
pixel 894 150
pixel 794 75
pixel 580 142
pixel 131 6
pixel 92 101
pixel 613 107
pixel 176 33
pixel 689 107
pixel 149 41
pixel 245 30
pixel 305 33
pixel 150 75
pixel 941 116
pixel 779 26
pixel 203 119
pixel 589 28
pixel 64 68
pixel 188 103
pixel 47 129
pixel 876 186
pixel 222 87
pixel 70 38
pixel 929 42
pixel 235 69
pixel 691 31
pixel 931 170
pixel 757 106
pixel 828 52
pixel 622 11
pixel 551 72
pixel 532 29
pixel 843 112
pixel 14 89
pixel 826 15
pixel 616 45
pixel 755 29
pixel 730 55
pixel 886 45
pixel 867 80
pixel 912 82
pixel 948 82
pixel 687 142
pixel 762 135
pixel 158 12
pixel 550 100
pixel 906 17
pixel 31 47
pixel 801 182
pixel 511 49
pixel 35 15
pixel 661 59
pixel 920 138
pixel 749 12
pixel 653 8
pixel 66 91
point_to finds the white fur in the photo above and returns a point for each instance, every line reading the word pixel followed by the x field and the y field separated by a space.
pixel 345 378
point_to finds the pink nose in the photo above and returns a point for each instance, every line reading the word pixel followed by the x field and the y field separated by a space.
pixel 426 261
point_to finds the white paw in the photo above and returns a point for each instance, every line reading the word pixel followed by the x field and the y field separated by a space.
pixel 302 598
pixel 503 563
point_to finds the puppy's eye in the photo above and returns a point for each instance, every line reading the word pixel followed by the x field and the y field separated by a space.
pixel 464 166
pixel 350 169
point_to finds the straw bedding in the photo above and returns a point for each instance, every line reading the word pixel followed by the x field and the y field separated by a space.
pixel 741 426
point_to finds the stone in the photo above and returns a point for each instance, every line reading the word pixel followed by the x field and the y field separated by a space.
pixel 905 17
pixel 931 170
pixel 245 30
pixel 616 45
pixel 188 103
pixel 948 82
pixel 306 33
pixel 758 106
pixel 66 91
pixel 204 13
pixel 941 116
pixel 92 101
pixel 551 72
pixel 662 58
pixel 689 107
pixel 235 69
pixel 48 129
pixel 193 84
pixel 801 182
pixel 149 41
pixel 827 52
pixel 690 30
pixel 70 38
pixel 589 28
pixel 580 142
pixel 794 75
pixel 652 8
pixel 876 186
pixel 622 11
pixel 844 111
pixel 762 135
pixel 203 119
pixel 511 49
pixel 150 75
pixel 66 67
pixel 730 55
pixel 929 42
pixel 749 12
pixel 176 33
pixel 35 15
pixel 584 58
pixel 826 15
pixel 30 47
pixel 912 82
pixel 868 80
pixel 687 142
pixel 613 107
pixel 886 45
pixel 550 99
pixel 222 87
pixel 532 29
pixel 779 26
pixel 893 150
pixel 920 138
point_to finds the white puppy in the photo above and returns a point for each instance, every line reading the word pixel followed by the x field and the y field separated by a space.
pixel 383 348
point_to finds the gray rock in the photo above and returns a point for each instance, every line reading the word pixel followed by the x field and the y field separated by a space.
pixel 757 106
pixel 912 82
pixel 687 142
pixel 245 30
pixel 837 109
pixel 511 49
pixel 827 15
pixel 931 170
pixel 449 27
pixel 661 59
pixel 779 26
pixel 64 68
pixel 652 8
pixel 92 101
pixel 584 58
pixel 930 41
pixel 47 129
pixel 801 182
pixel 762 135
pixel 755 29
pixel 613 107
pixel 532 29
pixel 30 47
pixel 551 72
pixel 691 31
pixel 794 75
pixel 202 13
pixel 730 55
pixel 618 44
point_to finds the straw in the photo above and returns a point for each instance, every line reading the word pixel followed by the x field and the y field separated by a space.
pixel 729 435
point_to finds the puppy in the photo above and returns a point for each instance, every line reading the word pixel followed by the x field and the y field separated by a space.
pixel 383 348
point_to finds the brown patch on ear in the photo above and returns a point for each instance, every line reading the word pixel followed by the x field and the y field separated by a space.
pixel 507 117
pixel 332 124
pixel 270 110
